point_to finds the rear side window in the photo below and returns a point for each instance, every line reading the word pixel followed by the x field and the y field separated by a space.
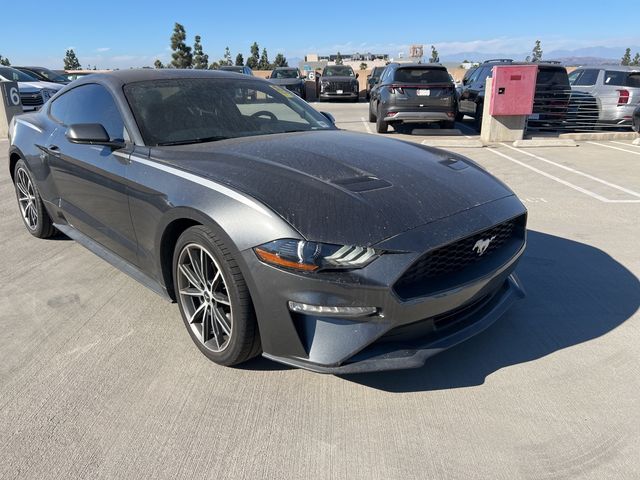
pixel 421 75
pixel 90 103
pixel 556 76
pixel 619 79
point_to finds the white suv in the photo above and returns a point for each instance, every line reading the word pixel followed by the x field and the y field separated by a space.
pixel 33 93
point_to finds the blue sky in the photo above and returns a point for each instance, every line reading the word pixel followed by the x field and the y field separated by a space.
pixel 128 33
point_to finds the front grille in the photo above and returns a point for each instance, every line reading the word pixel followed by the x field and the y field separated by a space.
pixel 335 86
pixel 457 256
pixel 31 99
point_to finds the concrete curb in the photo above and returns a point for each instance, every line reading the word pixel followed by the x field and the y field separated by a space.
pixel 599 135
pixel 545 142
pixel 453 143
pixel 636 141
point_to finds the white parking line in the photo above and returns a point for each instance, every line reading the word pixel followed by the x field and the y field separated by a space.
pixel 577 172
pixel 614 148
pixel 626 144
pixel 366 125
pixel 559 180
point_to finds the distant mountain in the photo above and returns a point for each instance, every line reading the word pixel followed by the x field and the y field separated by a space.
pixel 579 56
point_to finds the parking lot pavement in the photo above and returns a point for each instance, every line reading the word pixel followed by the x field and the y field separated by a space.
pixel 99 379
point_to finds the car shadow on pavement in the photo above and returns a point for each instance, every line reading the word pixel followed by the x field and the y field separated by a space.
pixel 575 293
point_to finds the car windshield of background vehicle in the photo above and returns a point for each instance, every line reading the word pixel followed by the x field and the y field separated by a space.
pixel 54 77
pixel 285 74
pixel 13 75
pixel 421 75
pixel 554 76
pixel 339 71
pixel 196 110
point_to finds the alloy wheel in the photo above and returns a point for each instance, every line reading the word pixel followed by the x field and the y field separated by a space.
pixel 204 297
pixel 27 199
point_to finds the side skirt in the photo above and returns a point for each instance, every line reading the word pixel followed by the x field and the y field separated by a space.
pixel 115 260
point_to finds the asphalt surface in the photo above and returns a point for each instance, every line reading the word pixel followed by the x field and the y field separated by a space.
pixel 99 378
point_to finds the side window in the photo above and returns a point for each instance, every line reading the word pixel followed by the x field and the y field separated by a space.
pixel 483 74
pixel 588 77
pixel 612 77
pixel 385 75
pixel 89 103
pixel 573 76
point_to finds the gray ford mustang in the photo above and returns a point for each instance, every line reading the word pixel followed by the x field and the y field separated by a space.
pixel 273 230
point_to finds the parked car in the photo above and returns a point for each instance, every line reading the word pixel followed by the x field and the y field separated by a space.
pixel 551 98
pixel 616 90
pixel 413 93
pixel 339 82
pixel 33 93
pixel 373 78
pixel 75 74
pixel 289 78
pixel 44 74
pixel 273 230
pixel 636 119
pixel 237 69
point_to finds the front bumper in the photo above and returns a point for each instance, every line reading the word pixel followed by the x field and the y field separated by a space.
pixel 404 332
pixel 334 95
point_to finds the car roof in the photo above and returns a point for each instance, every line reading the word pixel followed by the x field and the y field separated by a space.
pixel 418 65
pixel 123 77
pixel 614 68
pixel 286 68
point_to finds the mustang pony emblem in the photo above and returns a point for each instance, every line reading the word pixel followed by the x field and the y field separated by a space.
pixel 482 245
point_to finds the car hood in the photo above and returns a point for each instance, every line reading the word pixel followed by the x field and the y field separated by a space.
pixel 285 81
pixel 342 187
pixel 39 86
pixel 338 79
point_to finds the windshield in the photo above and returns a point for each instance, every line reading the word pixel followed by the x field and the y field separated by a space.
pixel 552 76
pixel 377 71
pixel 13 75
pixel 51 76
pixel 194 110
pixel 338 71
pixel 232 69
pixel 422 75
pixel 293 73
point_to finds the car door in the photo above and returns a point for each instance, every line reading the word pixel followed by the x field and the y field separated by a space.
pixel 91 179
pixel 469 92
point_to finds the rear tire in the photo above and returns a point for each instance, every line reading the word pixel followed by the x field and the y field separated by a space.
pixel 459 116
pixel 381 125
pixel 477 121
pixel 448 125
pixel 213 298
pixel 32 211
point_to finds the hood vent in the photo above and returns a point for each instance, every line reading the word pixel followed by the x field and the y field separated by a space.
pixel 362 184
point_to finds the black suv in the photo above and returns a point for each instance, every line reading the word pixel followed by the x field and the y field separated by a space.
pixel 550 102
pixel 339 81
pixel 413 93
pixel 373 78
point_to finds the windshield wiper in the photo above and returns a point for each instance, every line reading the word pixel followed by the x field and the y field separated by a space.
pixel 193 140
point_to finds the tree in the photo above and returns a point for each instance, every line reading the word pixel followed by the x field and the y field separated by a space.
pixel 71 62
pixel 435 57
pixel 227 56
pixel 280 61
pixel 239 60
pixel 4 61
pixel 339 59
pixel 158 64
pixel 636 60
pixel 181 55
pixel 200 59
pixel 363 66
pixel 214 66
pixel 626 58
pixel 264 61
pixel 254 59
pixel 536 53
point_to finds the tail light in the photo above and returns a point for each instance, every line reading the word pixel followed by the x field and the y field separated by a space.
pixel 623 97
pixel 396 89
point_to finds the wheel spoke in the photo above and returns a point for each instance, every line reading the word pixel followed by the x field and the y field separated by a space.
pixel 190 291
pixel 222 321
pixel 191 276
pixel 220 297
pixel 22 188
pixel 206 323
pixel 216 279
pixel 197 269
pixel 197 312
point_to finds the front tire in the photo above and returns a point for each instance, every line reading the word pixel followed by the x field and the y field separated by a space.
pixel 213 298
pixel 34 216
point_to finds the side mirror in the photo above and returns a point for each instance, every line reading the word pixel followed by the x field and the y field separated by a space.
pixel 357 75
pixel 268 77
pixel 91 134
pixel 330 117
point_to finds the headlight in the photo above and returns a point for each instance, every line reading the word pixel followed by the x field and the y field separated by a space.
pixel 313 256
pixel 47 93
